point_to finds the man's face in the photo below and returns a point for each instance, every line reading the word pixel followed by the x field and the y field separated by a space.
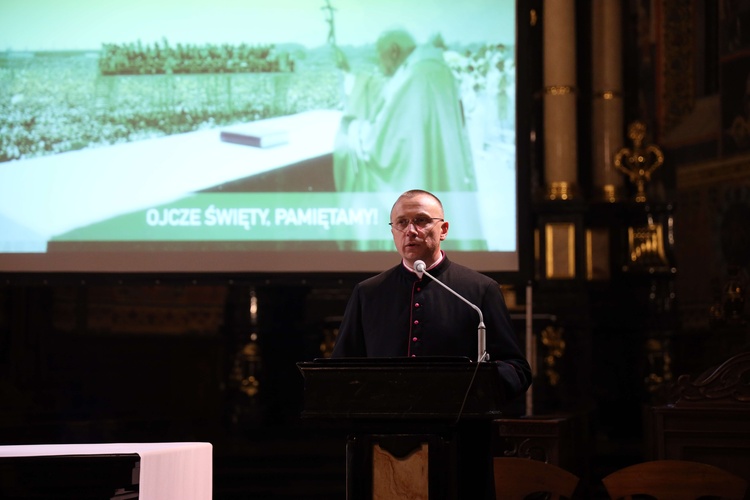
pixel 418 243
pixel 388 59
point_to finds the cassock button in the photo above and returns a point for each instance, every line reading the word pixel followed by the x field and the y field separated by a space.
pixel 416 305
pixel 414 339
pixel 413 355
pixel 416 321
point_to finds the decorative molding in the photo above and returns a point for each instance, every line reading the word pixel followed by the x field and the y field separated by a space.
pixel 713 172
pixel 609 193
pixel 729 383
pixel 552 339
pixel 608 95
pixel 196 309
pixel 561 190
pixel 559 90
pixel 676 88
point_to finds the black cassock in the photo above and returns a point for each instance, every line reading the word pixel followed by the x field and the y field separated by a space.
pixel 396 314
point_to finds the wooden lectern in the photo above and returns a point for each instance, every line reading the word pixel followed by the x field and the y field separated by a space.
pixel 418 428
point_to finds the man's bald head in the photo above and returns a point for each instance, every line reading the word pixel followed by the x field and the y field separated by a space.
pixel 393 47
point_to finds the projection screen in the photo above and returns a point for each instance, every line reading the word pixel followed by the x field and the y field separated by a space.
pixel 249 136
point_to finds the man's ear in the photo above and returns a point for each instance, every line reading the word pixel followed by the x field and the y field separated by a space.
pixel 443 230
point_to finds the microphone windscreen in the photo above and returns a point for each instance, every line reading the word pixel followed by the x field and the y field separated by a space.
pixel 419 267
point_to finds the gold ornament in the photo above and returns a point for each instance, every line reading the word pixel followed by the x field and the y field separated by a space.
pixel 639 162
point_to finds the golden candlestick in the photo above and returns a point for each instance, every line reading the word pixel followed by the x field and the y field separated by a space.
pixel 639 162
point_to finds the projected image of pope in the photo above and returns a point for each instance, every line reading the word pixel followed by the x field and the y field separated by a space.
pixel 407 132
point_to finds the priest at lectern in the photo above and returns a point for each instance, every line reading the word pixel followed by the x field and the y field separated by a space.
pixel 401 313
pixel 453 311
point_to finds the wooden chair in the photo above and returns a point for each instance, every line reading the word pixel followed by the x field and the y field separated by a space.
pixel 517 478
pixel 674 480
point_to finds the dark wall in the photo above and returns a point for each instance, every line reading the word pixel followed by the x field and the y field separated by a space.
pixel 156 362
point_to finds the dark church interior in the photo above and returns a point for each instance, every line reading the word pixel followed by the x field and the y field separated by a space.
pixel 640 330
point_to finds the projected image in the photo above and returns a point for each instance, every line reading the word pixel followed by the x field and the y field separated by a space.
pixel 252 128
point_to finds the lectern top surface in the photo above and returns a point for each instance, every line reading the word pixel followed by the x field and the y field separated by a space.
pixel 395 360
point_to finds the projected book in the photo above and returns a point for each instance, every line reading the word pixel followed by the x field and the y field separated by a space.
pixel 256 135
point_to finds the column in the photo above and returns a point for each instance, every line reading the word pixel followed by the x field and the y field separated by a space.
pixel 607 106
pixel 560 135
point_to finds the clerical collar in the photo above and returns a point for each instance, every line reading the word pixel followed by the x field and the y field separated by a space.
pixel 433 266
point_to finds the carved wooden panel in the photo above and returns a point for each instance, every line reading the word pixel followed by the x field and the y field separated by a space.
pixel 709 421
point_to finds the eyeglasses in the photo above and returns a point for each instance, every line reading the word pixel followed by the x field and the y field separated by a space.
pixel 419 222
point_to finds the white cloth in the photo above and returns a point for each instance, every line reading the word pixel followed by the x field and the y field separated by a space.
pixel 169 471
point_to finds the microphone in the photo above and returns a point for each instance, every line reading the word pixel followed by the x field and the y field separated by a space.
pixel 420 268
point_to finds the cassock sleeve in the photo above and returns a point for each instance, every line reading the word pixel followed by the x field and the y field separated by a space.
pixel 350 340
pixel 502 344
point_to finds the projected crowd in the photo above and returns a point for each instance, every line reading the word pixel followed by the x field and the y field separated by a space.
pixel 158 59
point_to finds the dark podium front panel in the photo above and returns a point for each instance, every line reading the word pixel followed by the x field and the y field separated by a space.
pixel 419 428
pixel 426 388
